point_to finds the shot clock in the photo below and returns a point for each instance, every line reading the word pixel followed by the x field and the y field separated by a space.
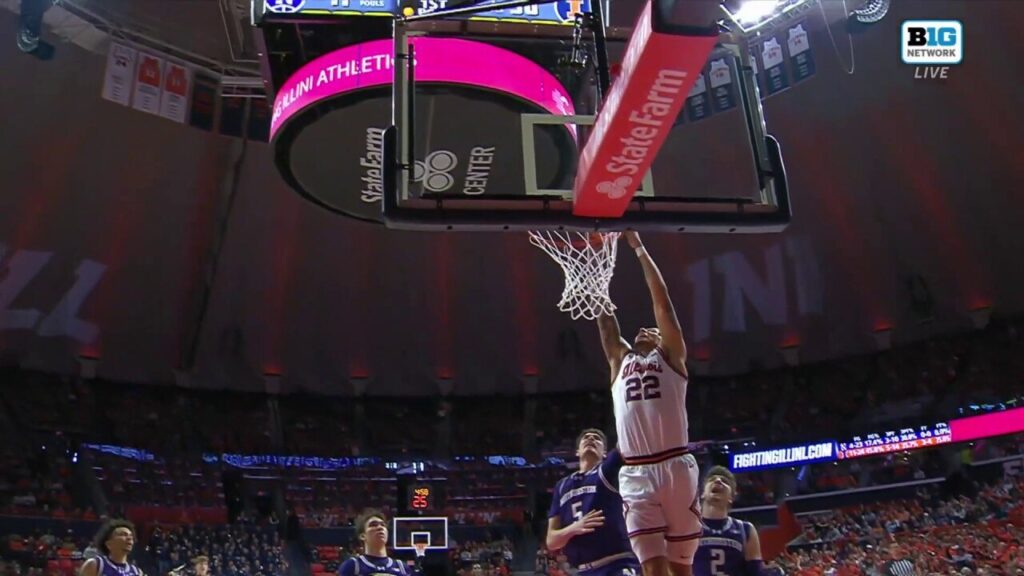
pixel 423 498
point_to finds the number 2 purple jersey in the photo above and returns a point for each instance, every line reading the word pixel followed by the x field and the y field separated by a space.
pixel 721 548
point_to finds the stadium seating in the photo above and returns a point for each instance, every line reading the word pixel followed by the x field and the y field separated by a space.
pixel 172 463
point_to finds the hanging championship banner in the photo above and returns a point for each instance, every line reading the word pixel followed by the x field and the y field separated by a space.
pixel 697 105
pixel 204 102
pixel 232 116
pixel 148 82
pixel 259 120
pixel 775 77
pixel 800 57
pixel 723 89
pixel 117 81
pixel 174 100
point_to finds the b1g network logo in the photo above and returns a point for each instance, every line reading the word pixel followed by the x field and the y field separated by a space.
pixel 932 46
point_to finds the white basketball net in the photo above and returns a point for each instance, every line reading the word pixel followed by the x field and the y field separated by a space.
pixel 588 260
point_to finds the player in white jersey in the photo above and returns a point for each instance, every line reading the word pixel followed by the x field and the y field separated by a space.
pixel 658 484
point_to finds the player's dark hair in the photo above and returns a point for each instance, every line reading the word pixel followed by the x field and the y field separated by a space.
pixel 105 531
pixel 604 439
pixel 723 473
pixel 363 519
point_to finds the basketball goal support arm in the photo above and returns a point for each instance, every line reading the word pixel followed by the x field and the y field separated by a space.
pixel 598 25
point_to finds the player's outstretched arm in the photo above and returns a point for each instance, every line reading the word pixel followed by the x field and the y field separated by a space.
pixel 615 347
pixel 558 537
pixel 664 313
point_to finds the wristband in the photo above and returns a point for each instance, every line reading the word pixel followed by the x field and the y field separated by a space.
pixel 640 251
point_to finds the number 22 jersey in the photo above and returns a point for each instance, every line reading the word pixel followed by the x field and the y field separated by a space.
pixel 650 408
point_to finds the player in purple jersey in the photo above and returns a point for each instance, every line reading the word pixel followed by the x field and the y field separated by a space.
pixel 114 541
pixel 585 519
pixel 729 546
pixel 372 530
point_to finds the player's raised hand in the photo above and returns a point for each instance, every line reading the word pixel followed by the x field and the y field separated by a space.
pixel 589 522
pixel 633 239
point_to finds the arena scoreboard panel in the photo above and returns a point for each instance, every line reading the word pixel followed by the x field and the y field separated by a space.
pixel 560 12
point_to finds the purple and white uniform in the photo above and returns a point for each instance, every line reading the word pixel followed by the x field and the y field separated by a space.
pixel 606 550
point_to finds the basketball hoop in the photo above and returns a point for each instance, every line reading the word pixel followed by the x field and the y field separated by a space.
pixel 588 260
pixel 420 548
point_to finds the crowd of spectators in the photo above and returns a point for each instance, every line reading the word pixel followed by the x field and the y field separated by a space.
pixel 326 499
pixel 924 382
pixel 476 493
pixel 35 479
pixel 239 549
pixel 921 382
pixel 979 533
pixel 41 553
pixel 470 558
pixel 552 563
pixel 492 558
pixel 175 481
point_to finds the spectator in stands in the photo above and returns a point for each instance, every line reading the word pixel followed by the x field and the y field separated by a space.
pixel 233 550
pixel 898 565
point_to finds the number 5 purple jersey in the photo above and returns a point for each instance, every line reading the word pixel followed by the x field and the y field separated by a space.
pixel 606 550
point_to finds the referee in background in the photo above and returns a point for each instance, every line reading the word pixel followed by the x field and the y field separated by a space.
pixel 897 564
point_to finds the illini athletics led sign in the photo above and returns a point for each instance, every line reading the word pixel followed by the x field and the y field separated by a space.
pixel 438 60
pixel 329 117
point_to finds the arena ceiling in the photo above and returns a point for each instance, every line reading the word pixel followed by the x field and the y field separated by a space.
pixel 907 215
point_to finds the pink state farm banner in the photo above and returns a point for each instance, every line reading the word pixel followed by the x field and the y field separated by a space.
pixel 658 71
pixel 438 60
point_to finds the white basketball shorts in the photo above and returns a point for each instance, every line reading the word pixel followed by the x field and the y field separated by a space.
pixel 662 508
